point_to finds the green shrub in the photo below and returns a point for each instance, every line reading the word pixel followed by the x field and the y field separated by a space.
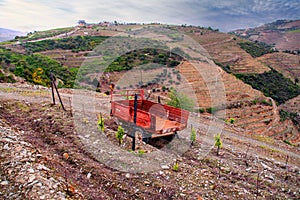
pixel 175 167
pixel 201 110
pixel 119 135
pixel 218 142
pixel 193 136
pixel 100 122
pixel 211 110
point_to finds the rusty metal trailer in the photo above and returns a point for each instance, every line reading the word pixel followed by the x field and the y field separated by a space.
pixel 153 119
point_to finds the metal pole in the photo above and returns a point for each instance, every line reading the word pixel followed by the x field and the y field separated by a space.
pixel 134 120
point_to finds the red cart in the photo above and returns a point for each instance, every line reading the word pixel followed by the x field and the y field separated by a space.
pixel 154 119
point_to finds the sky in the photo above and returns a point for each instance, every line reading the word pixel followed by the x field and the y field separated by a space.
pixel 225 15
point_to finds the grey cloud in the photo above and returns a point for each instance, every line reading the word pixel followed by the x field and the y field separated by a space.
pixel 223 14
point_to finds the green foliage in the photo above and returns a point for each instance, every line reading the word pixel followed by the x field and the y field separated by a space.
pixel 267 103
pixel 119 135
pixel 48 33
pixel 218 142
pixel 78 43
pixel 272 84
pixel 6 78
pixel 100 122
pixel 175 167
pixel 230 120
pixel 201 110
pixel 225 68
pixel 35 68
pixel 288 142
pixel 144 57
pixel 285 115
pixel 141 152
pixel 256 49
pixel 180 100
pixel 211 110
pixel 193 136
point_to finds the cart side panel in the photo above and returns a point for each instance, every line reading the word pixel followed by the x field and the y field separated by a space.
pixel 124 110
pixel 120 110
pixel 178 115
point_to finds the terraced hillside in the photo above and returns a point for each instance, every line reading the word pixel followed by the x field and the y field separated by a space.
pixel 285 63
pixel 66 57
pixel 249 108
pixel 224 49
pixel 283 33
pixel 236 90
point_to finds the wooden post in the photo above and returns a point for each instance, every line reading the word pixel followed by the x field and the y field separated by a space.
pixel 52 89
pixel 53 84
pixel 62 105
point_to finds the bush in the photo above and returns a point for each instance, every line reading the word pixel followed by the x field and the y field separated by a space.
pixel 218 142
pixel 100 122
pixel 193 136
pixel 211 110
pixel 201 110
pixel 119 135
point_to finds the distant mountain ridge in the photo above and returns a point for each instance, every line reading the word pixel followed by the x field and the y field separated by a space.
pixel 283 34
pixel 8 34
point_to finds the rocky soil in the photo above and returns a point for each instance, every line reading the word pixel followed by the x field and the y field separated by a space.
pixel 43 157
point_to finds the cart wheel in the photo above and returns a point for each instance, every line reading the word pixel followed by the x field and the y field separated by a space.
pixel 146 140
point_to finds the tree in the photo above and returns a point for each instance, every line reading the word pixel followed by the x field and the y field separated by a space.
pixel 81 22
pixel 180 100
pixel 218 142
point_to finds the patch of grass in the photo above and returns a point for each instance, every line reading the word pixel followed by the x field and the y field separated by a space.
pixel 22 106
pixel 294 31
pixel 141 152
pixel 268 148
pixel 288 142
pixel 263 138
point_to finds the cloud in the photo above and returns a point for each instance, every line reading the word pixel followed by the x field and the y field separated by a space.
pixel 29 15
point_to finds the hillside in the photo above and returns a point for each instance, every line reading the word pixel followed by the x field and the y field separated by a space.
pixel 283 34
pixel 240 88
pixel 285 63
pixel 235 57
pixel 43 156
